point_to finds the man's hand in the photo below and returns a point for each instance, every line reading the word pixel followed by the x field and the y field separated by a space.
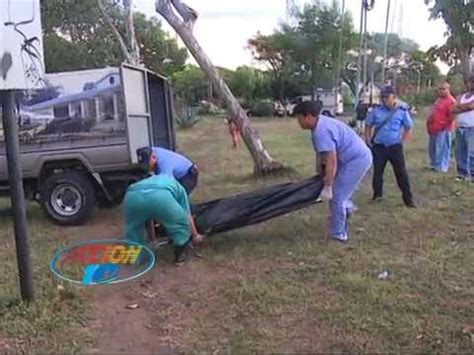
pixel 197 238
pixel 326 194
pixel 407 135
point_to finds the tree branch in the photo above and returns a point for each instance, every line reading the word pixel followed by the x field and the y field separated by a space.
pixel 109 21
pixel 134 50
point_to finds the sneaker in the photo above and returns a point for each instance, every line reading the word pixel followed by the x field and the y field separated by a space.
pixel 377 198
pixel 411 205
pixel 342 238
pixel 181 253
pixel 460 178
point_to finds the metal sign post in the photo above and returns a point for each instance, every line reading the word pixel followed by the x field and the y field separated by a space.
pixel 21 68
pixel 10 128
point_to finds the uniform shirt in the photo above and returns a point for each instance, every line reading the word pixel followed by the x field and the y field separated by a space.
pixel 163 182
pixel 441 118
pixel 171 163
pixel 391 133
pixel 333 135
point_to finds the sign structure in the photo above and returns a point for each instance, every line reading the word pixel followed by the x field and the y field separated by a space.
pixel 21 45
pixel 101 262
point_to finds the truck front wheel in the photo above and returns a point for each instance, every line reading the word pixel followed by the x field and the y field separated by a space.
pixel 68 198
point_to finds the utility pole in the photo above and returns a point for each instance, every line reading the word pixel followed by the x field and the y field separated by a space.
pixel 361 44
pixel 366 45
pixel 384 63
pixel 20 223
pixel 337 87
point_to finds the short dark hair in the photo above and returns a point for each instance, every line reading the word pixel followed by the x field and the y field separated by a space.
pixel 144 155
pixel 306 108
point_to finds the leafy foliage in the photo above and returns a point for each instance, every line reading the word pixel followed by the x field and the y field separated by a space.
pixel 458 15
pixel 190 84
pixel 77 37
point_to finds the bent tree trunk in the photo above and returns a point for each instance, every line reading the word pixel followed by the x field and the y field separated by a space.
pixel 263 162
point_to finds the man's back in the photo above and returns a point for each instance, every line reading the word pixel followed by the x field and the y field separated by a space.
pixel 333 135
pixel 171 163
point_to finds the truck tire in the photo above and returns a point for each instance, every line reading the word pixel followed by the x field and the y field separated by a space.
pixel 68 198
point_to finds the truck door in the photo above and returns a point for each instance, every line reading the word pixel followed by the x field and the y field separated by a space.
pixel 137 106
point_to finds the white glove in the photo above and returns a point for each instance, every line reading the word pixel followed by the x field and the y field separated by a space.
pixel 326 194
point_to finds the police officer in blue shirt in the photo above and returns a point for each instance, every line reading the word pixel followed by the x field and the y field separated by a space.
pixel 388 126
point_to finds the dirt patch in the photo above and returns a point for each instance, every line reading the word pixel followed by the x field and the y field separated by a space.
pixel 171 302
pixel 164 297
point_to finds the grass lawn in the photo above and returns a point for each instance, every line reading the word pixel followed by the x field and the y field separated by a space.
pixel 285 288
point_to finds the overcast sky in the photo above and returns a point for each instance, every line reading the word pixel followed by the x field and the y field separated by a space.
pixel 224 26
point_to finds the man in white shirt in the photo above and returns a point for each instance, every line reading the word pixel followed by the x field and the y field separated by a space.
pixel 465 133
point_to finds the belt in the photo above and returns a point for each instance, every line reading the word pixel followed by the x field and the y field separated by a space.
pixel 387 145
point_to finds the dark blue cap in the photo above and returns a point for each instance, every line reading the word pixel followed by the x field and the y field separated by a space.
pixel 387 90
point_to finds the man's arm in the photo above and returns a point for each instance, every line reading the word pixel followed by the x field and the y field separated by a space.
pixel 407 126
pixel 460 108
pixel 407 134
pixel 330 159
pixel 319 164
pixel 151 230
pixel 194 230
pixel 369 131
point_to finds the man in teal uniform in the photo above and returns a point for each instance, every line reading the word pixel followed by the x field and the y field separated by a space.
pixel 162 199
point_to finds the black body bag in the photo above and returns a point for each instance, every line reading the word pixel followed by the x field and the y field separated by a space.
pixel 253 207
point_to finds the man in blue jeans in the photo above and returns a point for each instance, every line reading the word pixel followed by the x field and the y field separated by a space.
pixel 387 127
pixel 465 133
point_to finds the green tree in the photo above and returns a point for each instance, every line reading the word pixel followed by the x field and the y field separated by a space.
pixel 190 84
pixel 275 51
pixel 244 82
pixel 159 52
pixel 316 42
pixel 459 18
pixel 76 36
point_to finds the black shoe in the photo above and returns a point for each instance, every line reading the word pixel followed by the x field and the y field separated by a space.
pixel 411 205
pixel 377 198
pixel 181 253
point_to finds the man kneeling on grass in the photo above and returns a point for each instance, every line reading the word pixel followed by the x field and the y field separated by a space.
pixel 162 199
pixel 346 160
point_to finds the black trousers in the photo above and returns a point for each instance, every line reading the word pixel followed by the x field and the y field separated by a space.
pixel 394 155
pixel 190 180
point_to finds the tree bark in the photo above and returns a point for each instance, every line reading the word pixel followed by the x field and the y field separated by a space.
pixel 466 58
pixel 263 162
pixel 134 49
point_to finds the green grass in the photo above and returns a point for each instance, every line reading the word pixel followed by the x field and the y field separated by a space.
pixel 286 288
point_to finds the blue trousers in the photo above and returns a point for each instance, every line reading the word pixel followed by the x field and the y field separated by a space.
pixel 439 150
pixel 465 151
pixel 348 179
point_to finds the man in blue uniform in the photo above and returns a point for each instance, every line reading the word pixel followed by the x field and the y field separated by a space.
pixel 346 160
pixel 173 164
pixel 388 126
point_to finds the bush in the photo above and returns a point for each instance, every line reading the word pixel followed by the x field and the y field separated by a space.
pixel 261 108
pixel 186 116
pixel 423 98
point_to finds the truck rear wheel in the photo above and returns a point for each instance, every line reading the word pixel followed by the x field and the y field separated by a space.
pixel 68 198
